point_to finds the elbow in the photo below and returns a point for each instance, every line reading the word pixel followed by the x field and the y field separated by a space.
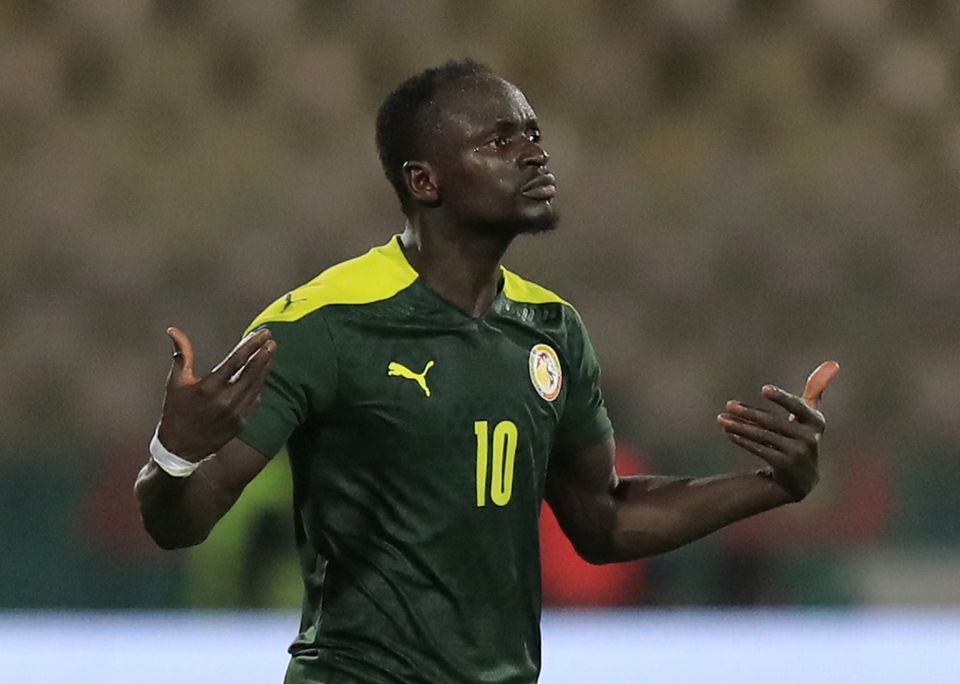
pixel 164 529
pixel 593 537
pixel 623 547
pixel 170 539
pixel 164 542
pixel 595 550
pixel 173 542
pixel 609 555
pixel 594 558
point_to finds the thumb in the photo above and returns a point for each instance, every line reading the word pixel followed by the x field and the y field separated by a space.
pixel 181 372
pixel 818 381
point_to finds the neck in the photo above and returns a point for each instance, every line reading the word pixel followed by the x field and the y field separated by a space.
pixel 461 266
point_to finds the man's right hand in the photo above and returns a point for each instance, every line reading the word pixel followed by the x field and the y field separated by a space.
pixel 200 415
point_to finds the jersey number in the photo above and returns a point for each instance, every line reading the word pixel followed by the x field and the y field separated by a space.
pixel 504 450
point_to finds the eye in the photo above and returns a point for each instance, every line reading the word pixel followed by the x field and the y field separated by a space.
pixel 500 141
pixel 534 135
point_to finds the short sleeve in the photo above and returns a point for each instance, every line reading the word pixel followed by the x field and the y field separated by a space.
pixel 302 383
pixel 584 421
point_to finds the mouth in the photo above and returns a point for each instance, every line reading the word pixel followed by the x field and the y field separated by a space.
pixel 543 187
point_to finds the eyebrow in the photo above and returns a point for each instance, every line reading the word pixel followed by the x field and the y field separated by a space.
pixel 510 124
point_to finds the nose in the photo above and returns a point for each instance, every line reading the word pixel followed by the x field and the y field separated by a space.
pixel 535 155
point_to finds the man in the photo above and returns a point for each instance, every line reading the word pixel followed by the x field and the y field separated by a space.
pixel 429 400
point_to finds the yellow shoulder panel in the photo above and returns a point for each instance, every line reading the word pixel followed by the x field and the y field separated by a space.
pixel 520 290
pixel 377 275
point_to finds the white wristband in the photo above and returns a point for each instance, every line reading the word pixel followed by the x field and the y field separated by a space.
pixel 169 462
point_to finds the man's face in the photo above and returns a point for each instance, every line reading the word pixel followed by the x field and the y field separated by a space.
pixel 490 167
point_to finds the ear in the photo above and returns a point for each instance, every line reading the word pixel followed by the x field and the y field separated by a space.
pixel 421 182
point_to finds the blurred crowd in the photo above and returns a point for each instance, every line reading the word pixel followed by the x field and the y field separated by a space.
pixel 748 187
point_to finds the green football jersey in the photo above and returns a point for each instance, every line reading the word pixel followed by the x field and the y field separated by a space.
pixel 419 439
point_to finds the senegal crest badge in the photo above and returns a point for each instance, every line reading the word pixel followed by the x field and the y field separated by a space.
pixel 545 373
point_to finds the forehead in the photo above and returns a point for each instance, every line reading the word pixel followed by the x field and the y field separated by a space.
pixel 477 103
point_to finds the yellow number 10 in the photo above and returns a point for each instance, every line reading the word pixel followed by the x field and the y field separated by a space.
pixel 504 456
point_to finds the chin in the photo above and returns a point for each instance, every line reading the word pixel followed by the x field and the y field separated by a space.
pixel 538 227
pixel 529 224
pixel 542 223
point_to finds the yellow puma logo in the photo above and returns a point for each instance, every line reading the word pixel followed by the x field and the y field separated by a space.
pixel 402 371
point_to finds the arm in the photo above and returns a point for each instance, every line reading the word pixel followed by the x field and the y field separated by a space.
pixel 609 518
pixel 202 417
pixel 181 511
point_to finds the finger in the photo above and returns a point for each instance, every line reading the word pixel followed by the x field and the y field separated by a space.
pixel 249 404
pixel 240 355
pixel 754 413
pixel 766 419
pixel 757 433
pixel 818 381
pixel 181 372
pixel 256 377
pixel 738 403
pixel 776 459
pixel 250 400
pixel 800 411
pixel 250 374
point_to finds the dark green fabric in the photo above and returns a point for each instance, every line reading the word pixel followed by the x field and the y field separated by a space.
pixel 407 578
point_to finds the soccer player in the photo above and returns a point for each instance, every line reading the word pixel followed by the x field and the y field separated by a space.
pixel 430 399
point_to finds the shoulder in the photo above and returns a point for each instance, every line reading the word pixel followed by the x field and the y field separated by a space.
pixel 526 291
pixel 552 315
pixel 375 276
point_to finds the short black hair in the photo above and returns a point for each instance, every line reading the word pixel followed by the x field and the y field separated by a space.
pixel 400 120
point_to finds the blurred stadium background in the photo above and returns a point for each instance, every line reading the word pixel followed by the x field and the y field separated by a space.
pixel 748 187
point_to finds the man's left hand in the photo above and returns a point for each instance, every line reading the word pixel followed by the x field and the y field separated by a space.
pixel 789 443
